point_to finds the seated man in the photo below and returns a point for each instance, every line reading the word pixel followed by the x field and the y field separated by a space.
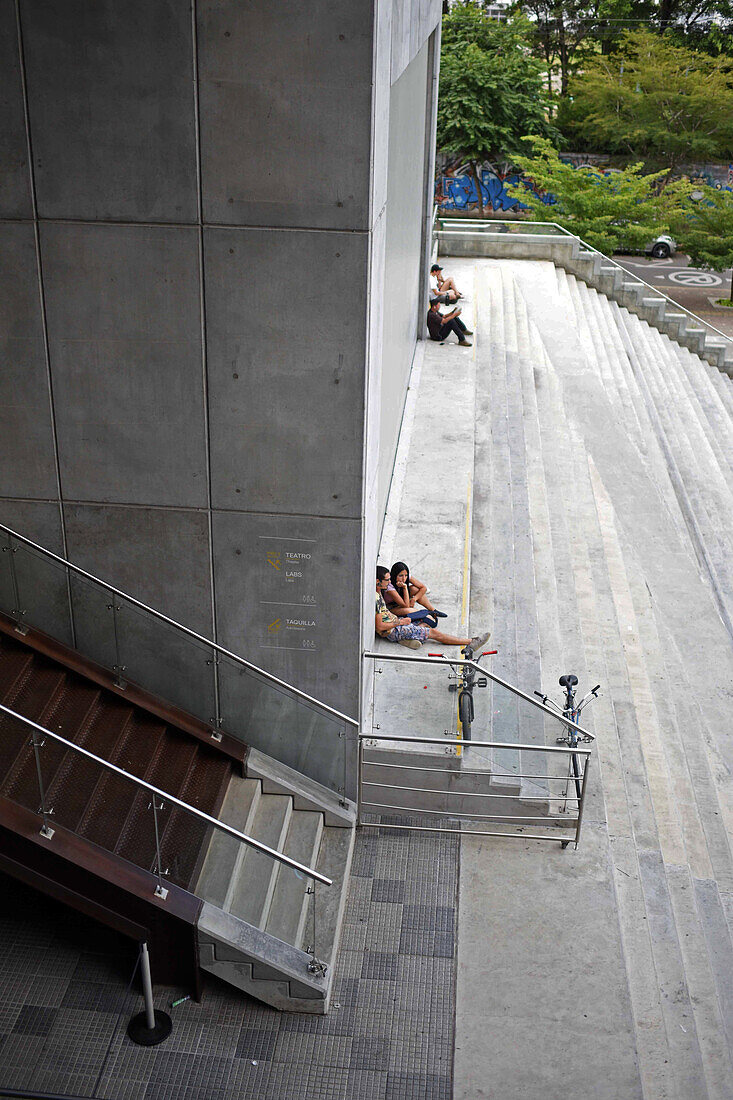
pixel 441 325
pixel 445 290
pixel 409 634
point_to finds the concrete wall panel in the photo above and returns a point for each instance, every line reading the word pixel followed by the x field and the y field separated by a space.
pixel 413 21
pixel 111 103
pixel 287 599
pixel 404 235
pixel 158 555
pixel 306 84
pixel 41 585
pixel 380 107
pixel 285 316
pixel 125 346
pixel 15 192
pixel 27 466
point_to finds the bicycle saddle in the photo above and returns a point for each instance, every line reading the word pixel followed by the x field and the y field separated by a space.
pixel 568 681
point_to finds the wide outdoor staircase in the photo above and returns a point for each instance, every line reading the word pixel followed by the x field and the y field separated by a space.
pixel 548 241
pixel 602 544
pixel 253 921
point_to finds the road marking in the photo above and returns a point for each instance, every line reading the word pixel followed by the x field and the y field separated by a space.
pixel 695 278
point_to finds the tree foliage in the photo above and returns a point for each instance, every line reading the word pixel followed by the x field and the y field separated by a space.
pixel 703 225
pixel 653 101
pixel 612 212
pixel 491 88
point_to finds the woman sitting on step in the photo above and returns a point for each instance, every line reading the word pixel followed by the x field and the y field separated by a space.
pixel 404 591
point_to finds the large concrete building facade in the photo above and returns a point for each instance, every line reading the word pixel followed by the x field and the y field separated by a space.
pixel 215 226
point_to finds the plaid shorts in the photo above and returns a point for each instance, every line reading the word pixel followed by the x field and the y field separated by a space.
pixel 408 633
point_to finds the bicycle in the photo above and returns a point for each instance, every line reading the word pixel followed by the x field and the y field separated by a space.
pixel 467 679
pixel 572 711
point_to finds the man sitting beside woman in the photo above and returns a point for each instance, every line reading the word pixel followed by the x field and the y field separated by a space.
pixel 399 628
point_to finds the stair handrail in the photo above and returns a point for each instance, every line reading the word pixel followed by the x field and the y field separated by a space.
pixel 609 259
pixel 302 868
pixel 185 629
pixel 443 661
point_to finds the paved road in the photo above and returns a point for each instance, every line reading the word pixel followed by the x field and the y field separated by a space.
pixel 686 285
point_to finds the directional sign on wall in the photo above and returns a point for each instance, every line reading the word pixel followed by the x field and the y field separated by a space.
pixel 287 593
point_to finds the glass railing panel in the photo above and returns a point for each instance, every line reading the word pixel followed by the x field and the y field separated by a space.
pixel 166 661
pixel 69 790
pixel 283 725
pixel 35 589
pixel 186 671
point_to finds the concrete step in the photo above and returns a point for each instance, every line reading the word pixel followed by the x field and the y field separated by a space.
pixel 334 861
pixel 238 810
pixel 697 421
pixel 252 886
pixel 289 905
pixel 715 1046
pixel 718 417
pixel 306 793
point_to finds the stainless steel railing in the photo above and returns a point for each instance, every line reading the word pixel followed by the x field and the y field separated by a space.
pixel 227 692
pixel 451 796
pixel 45 813
pixel 268 676
pixel 418 786
pixel 463 226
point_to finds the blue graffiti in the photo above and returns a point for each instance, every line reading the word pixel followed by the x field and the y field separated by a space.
pixel 457 190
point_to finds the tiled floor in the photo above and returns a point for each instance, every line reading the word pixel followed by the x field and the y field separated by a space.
pixel 389 1036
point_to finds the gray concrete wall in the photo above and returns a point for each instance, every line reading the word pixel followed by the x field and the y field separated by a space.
pixel 409 111
pixel 193 239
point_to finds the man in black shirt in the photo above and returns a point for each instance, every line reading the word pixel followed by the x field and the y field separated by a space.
pixel 441 325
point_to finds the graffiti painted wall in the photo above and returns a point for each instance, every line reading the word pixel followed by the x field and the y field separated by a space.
pixel 455 186
pixel 455 189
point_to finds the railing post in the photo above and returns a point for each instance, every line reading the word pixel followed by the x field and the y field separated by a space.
pixel 118 667
pixel 359 771
pixel 46 829
pixel 152 1026
pixel 315 966
pixel 17 611
pixel 216 721
pixel 581 806
pixel 160 890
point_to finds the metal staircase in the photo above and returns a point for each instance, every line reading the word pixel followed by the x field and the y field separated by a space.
pixel 125 804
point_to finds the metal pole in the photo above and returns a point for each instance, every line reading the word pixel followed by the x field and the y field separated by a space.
pixel 581 807
pixel 359 781
pixel 147 986
pixel 160 890
pixel 119 668
pixel 152 1026
pixel 315 966
pixel 216 721
pixel 17 611
pixel 46 829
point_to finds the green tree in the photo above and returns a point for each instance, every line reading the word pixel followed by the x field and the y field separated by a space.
pixel 612 212
pixel 567 33
pixel 491 89
pixel 654 101
pixel 703 226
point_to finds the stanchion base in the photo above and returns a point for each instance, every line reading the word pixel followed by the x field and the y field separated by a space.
pixel 140 1033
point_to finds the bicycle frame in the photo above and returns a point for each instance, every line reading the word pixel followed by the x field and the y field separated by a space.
pixel 571 711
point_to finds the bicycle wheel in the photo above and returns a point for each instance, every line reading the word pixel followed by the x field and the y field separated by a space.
pixel 465 713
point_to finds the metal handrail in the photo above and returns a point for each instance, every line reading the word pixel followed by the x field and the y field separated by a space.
pixel 609 259
pixel 186 630
pixel 578 751
pixel 310 872
pixel 442 661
